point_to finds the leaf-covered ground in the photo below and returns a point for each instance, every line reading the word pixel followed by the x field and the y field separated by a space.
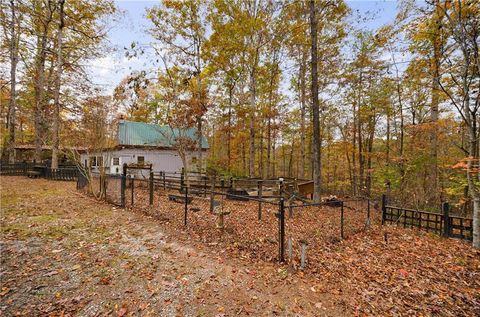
pixel 64 253
pixel 382 270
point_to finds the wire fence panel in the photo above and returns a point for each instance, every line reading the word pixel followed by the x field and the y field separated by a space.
pixel 113 189
pixel 248 226
pixel 216 218
pixel 236 223
pixel 95 186
pixel 358 216
pixel 319 226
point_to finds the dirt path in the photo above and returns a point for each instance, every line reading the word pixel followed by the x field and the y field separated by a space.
pixel 65 254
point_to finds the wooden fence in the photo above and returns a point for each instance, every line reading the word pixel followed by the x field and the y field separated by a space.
pixel 66 173
pixel 441 223
pixel 60 174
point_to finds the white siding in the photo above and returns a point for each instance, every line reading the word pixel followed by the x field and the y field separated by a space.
pixel 161 160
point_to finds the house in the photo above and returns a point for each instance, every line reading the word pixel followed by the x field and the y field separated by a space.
pixel 145 144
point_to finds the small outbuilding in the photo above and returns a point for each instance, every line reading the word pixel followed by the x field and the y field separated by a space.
pixel 145 144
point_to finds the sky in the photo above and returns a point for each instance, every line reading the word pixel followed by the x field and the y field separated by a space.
pixel 131 26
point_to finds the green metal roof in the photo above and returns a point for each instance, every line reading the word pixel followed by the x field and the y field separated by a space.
pixel 140 133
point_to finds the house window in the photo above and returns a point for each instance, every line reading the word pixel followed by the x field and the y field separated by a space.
pixel 116 161
pixel 99 160
pixel 140 160
pixel 93 161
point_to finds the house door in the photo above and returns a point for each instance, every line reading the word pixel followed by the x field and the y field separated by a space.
pixel 115 167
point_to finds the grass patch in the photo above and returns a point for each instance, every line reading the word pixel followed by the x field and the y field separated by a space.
pixel 53 232
pixel 9 199
pixel 17 231
pixel 42 219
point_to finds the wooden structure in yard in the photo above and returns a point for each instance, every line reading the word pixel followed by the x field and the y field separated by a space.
pixel 305 188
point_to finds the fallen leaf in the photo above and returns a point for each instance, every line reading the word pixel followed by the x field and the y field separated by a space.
pixel 144 306
pixel 106 280
pixel 51 273
pixel 4 291
pixel 122 311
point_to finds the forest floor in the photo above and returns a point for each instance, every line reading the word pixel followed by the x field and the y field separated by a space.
pixel 64 253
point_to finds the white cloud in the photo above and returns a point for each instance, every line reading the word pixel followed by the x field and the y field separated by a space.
pixel 102 66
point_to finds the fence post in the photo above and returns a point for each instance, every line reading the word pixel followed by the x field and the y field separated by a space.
pixel 205 181
pixel 212 195
pixel 133 186
pixel 151 188
pixel 281 224
pixel 280 186
pixel 260 193
pixel 123 185
pixel 164 181
pixel 101 185
pixel 222 183
pixel 104 184
pixel 446 219
pixel 24 168
pixel 341 221
pixel 384 208
pixel 186 207
pixel 182 180
pixel 231 182
pixel 100 181
pixel 77 172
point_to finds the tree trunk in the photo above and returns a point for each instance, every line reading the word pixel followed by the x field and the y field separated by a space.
pixel 290 160
pixel 253 106
pixel 354 150
pixel 12 108
pixel 473 164
pixel 199 143
pixel 388 138
pixel 303 107
pixel 347 156
pixel 56 115
pixel 369 157
pixel 435 64
pixel 402 122
pixel 401 164
pixel 269 146
pixel 315 106
pixel 476 222
pixel 229 130
pixel 274 154
pixel 244 159
pixel 200 104
pixel 39 82
pixel 361 157
pixel 260 151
